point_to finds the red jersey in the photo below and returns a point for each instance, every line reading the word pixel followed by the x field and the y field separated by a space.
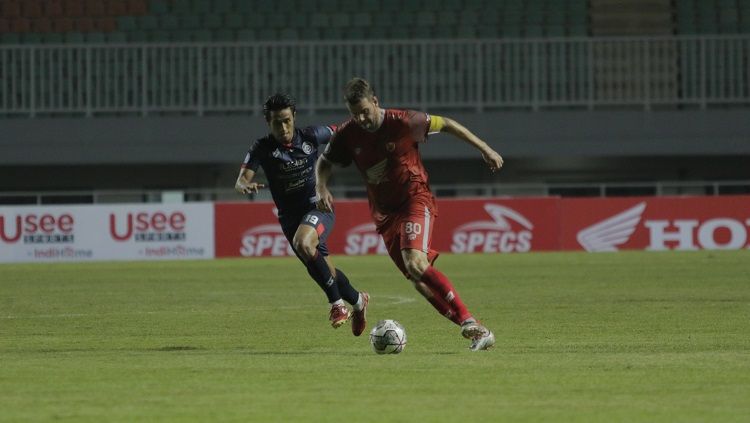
pixel 388 160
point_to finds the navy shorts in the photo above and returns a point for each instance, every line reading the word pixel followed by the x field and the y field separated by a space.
pixel 321 221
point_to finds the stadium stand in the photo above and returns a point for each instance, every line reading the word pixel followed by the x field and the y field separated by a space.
pixel 53 21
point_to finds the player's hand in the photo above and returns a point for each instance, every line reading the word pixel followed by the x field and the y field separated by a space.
pixel 251 188
pixel 325 200
pixel 493 160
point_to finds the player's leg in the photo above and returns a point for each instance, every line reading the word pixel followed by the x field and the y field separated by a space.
pixel 305 243
pixel 358 300
pixel 415 237
pixel 392 241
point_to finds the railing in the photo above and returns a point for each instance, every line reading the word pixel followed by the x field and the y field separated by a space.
pixel 609 189
pixel 199 78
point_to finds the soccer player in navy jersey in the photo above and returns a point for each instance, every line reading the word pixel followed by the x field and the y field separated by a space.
pixel 384 145
pixel 288 156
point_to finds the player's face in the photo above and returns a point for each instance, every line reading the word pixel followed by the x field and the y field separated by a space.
pixel 366 113
pixel 281 124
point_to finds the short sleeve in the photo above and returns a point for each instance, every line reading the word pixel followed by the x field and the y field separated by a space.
pixel 419 124
pixel 336 152
pixel 252 158
pixel 321 134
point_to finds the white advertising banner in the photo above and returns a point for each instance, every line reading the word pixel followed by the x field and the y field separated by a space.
pixel 107 232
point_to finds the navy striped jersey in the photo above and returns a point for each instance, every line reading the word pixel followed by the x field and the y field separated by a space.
pixel 290 170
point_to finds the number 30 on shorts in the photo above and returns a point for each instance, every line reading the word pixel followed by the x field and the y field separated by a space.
pixel 413 228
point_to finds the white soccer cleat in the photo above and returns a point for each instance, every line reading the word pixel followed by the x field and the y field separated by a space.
pixel 471 330
pixel 484 341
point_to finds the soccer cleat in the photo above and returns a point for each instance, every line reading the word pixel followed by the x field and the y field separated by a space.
pixel 359 318
pixel 484 341
pixel 471 330
pixel 339 315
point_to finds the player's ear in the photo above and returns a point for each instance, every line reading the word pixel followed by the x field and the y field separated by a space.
pixel 375 101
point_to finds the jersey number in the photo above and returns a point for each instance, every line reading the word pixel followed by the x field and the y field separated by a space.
pixel 312 219
pixel 413 228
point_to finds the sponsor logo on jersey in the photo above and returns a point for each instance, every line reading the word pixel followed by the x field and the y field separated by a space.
pixel 389 147
pixel 306 148
pixel 508 231
pixel 364 239
pixel 265 240
pixel 37 228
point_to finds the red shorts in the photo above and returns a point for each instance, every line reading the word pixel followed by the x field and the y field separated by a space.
pixel 411 228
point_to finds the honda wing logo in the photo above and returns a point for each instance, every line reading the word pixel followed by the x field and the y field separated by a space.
pixel 496 235
pixel 610 233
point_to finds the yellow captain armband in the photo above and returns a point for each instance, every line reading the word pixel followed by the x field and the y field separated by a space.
pixel 436 124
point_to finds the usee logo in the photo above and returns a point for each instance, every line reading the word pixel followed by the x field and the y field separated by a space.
pixel 37 228
pixel 364 239
pixel 148 226
pixel 496 235
pixel 265 240
pixel 720 233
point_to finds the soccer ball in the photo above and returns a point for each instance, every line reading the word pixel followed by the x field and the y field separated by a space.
pixel 388 337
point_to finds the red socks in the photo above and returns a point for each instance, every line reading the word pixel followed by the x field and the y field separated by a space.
pixel 445 298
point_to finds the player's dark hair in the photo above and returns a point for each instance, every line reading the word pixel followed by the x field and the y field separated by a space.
pixel 278 102
pixel 357 89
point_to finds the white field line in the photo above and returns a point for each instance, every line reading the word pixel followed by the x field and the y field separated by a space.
pixel 381 300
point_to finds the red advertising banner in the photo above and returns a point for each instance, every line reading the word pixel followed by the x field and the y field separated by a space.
pixel 462 226
pixel 655 223
pixel 494 225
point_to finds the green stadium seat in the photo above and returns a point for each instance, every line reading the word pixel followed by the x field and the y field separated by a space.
pixel 73 38
pixel 159 36
pixel 202 7
pixel 361 19
pixel 137 36
pixel 357 33
pixel 116 37
pixel 181 7
pixel 330 34
pixel 169 22
pixel 31 38
pixel 319 20
pixel 246 35
pixel 202 35
pixel 488 31
pixel 254 20
pixel 10 38
pixel 158 7
pixel 95 37
pixel 52 38
pixel 213 21
pixel 224 6
pixel 289 34
pixel 426 19
pixel 223 35
pixel 422 32
pixel 341 20
pixel 147 22
pixel 190 22
pixel 126 23
pixel 233 21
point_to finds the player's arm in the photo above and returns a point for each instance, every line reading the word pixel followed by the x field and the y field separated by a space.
pixel 245 184
pixel 323 171
pixel 490 156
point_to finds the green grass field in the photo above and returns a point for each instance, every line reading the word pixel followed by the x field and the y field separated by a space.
pixel 624 337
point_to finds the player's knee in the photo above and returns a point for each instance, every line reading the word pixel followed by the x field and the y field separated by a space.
pixel 416 267
pixel 304 247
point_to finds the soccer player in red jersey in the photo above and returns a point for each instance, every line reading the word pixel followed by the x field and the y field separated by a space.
pixel 384 145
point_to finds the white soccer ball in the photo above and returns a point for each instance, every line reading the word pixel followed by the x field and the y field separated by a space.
pixel 388 337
